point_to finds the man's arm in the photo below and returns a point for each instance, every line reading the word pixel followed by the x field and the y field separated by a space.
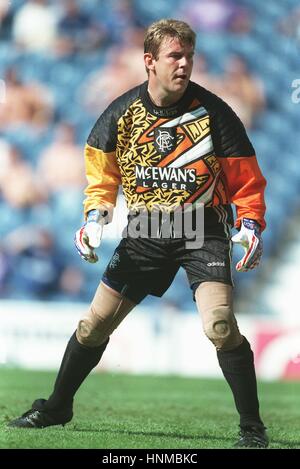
pixel 103 175
pixel 244 180
pixel 246 186
pixel 245 183
pixel 102 169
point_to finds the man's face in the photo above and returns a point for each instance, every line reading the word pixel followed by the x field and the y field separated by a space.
pixel 173 66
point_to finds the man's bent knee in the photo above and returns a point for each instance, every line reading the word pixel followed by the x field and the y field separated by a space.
pixel 214 300
pixel 89 335
pixel 223 333
pixel 107 310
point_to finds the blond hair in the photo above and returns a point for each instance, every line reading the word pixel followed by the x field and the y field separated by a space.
pixel 167 28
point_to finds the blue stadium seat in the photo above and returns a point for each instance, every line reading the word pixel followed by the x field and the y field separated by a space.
pixel 151 11
pixel 11 218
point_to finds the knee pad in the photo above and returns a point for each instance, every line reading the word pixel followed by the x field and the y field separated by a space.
pixel 107 310
pixel 214 301
pixel 88 334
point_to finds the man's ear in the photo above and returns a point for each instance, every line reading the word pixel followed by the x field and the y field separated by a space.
pixel 149 61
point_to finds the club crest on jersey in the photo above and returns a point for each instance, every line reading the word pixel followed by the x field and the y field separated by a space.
pixel 165 139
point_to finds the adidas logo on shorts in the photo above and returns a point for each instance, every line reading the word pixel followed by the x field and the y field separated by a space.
pixel 216 264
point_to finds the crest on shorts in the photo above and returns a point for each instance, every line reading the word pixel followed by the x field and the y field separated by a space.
pixel 165 139
pixel 114 260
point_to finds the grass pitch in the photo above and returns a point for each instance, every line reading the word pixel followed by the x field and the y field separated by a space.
pixel 121 411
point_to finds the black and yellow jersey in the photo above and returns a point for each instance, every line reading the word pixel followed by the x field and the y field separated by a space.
pixel 194 151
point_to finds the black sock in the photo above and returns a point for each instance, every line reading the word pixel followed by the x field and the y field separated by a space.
pixel 238 369
pixel 78 361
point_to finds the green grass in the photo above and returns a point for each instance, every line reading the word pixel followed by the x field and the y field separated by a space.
pixel 121 411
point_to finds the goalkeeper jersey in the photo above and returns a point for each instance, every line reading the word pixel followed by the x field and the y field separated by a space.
pixel 196 150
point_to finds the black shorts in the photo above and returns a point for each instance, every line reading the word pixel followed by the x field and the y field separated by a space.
pixel 140 267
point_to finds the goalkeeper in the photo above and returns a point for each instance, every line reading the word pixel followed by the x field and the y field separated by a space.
pixel 170 143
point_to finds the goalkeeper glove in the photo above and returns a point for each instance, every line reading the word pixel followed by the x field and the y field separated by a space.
pixel 250 238
pixel 88 237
